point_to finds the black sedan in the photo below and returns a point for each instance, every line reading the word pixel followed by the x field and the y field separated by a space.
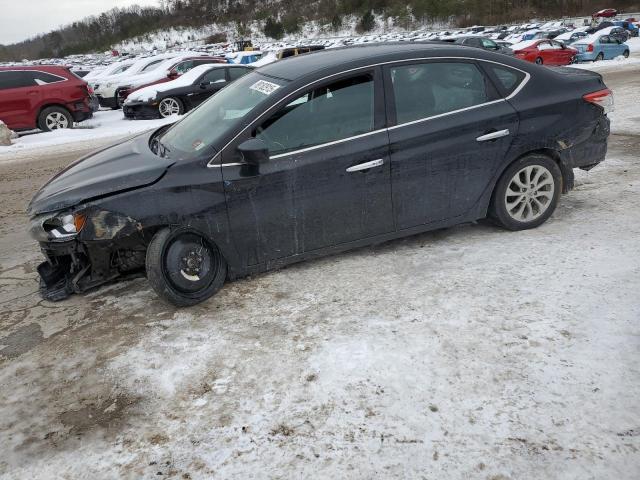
pixel 483 42
pixel 319 154
pixel 182 94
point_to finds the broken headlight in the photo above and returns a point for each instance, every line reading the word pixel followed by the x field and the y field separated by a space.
pixel 58 228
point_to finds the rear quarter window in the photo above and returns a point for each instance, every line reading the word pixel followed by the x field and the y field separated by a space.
pixel 44 78
pixel 508 78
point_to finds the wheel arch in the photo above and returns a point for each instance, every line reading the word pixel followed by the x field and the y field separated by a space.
pixel 567 173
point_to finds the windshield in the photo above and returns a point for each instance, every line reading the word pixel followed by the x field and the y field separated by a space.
pixel 207 124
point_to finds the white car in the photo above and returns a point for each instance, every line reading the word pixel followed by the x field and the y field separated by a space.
pixel 106 87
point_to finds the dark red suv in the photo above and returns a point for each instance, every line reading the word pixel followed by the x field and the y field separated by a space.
pixel 44 97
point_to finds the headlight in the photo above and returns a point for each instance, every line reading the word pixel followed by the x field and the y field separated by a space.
pixel 59 228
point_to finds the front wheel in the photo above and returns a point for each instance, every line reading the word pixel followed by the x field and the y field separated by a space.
pixel 170 106
pixel 527 193
pixel 539 61
pixel 183 267
pixel 625 54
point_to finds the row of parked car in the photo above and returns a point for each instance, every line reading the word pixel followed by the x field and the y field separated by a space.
pixel 52 97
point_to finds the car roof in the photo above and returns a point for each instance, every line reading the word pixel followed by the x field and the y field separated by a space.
pixel 57 68
pixel 338 59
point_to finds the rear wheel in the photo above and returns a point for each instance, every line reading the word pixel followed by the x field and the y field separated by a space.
pixel 539 61
pixel 54 118
pixel 599 57
pixel 527 193
pixel 183 267
pixel 170 106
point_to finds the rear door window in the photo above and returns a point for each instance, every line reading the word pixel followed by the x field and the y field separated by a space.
pixel 428 89
pixel 508 78
pixel 14 79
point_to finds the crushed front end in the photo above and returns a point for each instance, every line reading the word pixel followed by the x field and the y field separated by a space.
pixel 84 249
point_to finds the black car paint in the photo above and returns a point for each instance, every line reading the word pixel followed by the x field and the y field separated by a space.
pixel 304 205
pixel 191 96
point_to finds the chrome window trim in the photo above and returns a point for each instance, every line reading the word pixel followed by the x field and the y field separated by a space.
pixel 334 142
pixel 522 84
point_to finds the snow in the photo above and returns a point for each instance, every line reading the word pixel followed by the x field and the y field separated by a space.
pixel 523 45
pixel 186 79
pixel 105 127
pixel 465 353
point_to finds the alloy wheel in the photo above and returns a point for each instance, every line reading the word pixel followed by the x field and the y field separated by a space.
pixel 56 121
pixel 168 107
pixel 529 194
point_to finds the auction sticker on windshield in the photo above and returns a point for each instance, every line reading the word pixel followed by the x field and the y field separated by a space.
pixel 265 87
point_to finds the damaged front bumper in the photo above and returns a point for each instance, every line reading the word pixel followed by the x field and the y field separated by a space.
pixel 106 246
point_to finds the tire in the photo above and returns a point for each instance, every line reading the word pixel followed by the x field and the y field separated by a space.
pixel 172 274
pixel 599 57
pixel 625 54
pixel 54 118
pixel 539 61
pixel 119 101
pixel 527 193
pixel 170 106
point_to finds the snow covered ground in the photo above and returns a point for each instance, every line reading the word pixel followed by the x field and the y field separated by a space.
pixel 465 353
pixel 106 126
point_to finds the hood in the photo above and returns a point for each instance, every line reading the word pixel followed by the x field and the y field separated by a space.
pixel 128 165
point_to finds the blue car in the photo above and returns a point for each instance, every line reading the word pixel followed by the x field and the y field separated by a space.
pixel 603 47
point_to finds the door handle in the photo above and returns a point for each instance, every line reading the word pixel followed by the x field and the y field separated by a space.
pixel 365 165
pixel 493 135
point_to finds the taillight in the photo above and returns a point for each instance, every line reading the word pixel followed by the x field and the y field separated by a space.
pixel 590 47
pixel 602 98
pixel 89 89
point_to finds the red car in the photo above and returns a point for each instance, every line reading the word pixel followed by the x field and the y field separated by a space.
pixel 42 96
pixel 181 66
pixel 547 52
pixel 606 13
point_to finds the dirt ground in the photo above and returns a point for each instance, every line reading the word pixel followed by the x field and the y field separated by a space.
pixel 464 353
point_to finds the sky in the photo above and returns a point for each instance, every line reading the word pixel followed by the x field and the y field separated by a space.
pixel 21 19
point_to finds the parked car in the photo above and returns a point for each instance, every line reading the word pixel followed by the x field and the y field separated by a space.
pixel 598 27
pixel 106 87
pixel 319 154
pixel 547 52
pixel 482 42
pixel 605 13
pixel 47 97
pixel 628 26
pixel 168 70
pixel 504 44
pixel 244 58
pixel 618 33
pixel 295 51
pixel 179 96
pixel 570 37
pixel 548 34
pixel 599 47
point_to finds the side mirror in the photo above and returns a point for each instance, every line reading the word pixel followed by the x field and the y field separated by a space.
pixel 254 151
pixel 204 85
